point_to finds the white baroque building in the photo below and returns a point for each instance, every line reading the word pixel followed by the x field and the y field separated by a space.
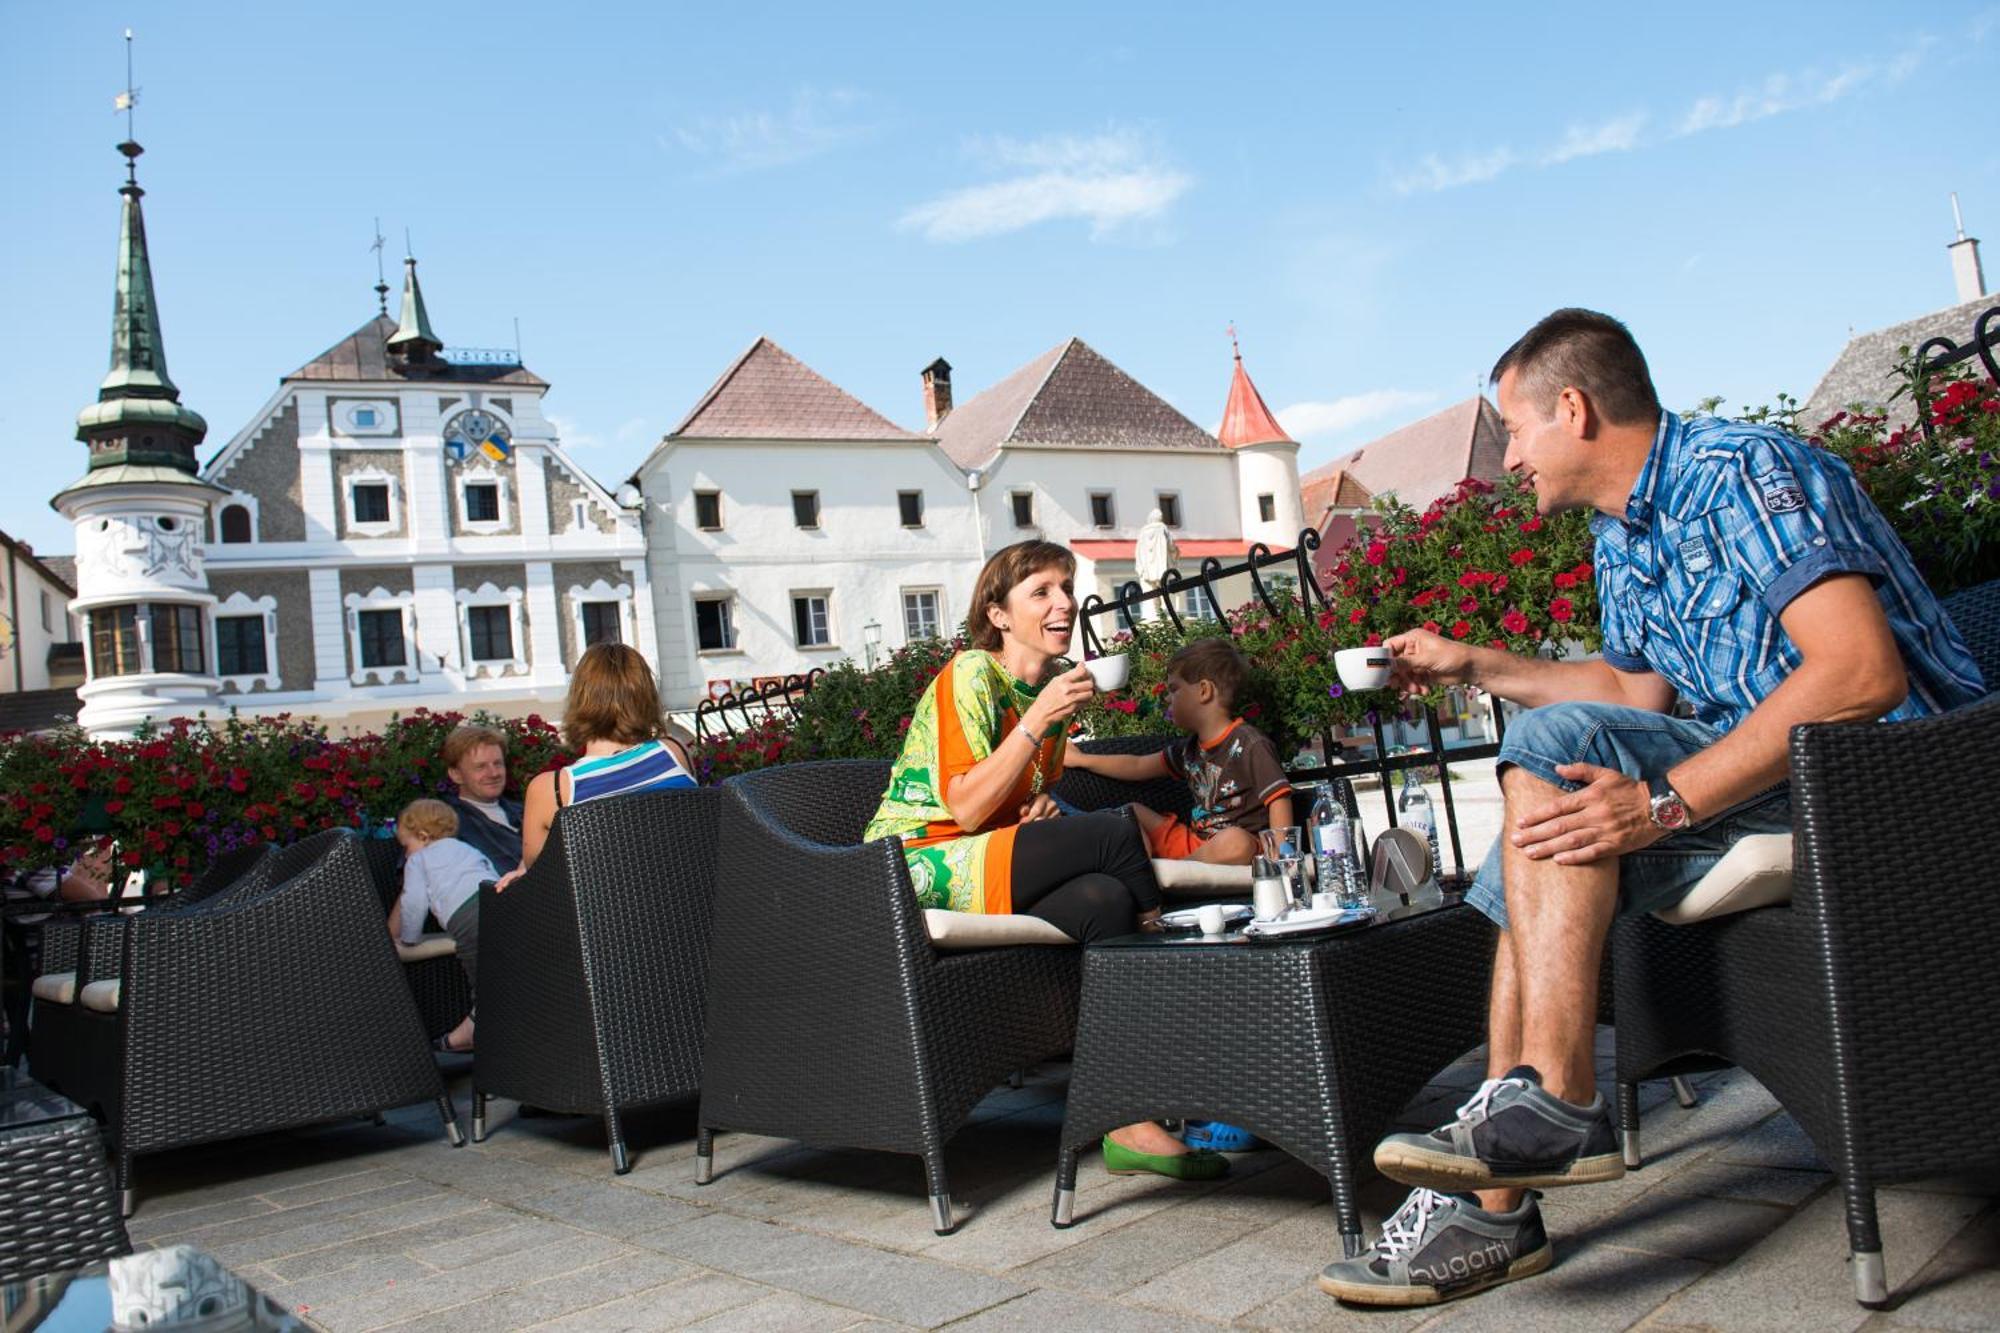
pixel 398 526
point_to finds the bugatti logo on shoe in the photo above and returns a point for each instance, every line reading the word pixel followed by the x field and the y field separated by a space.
pixel 1459 1267
pixel 1780 492
pixel 1695 556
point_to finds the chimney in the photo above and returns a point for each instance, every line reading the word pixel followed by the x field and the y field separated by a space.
pixel 1965 268
pixel 937 392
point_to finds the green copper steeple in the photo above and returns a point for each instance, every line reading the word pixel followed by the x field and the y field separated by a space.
pixel 413 339
pixel 138 418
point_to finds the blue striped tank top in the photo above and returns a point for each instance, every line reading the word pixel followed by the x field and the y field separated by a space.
pixel 648 766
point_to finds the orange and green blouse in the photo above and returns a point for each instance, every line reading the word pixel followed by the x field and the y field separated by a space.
pixel 961 718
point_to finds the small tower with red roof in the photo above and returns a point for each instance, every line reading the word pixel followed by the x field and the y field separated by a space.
pixel 1267 462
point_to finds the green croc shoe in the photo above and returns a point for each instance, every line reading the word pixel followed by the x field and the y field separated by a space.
pixel 1198 1164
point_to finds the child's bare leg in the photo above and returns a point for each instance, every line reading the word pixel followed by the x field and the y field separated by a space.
pixel 1149 819
pixel 460 1037
pixel 1230 847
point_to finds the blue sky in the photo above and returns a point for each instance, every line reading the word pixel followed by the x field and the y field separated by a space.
pixel 1380 200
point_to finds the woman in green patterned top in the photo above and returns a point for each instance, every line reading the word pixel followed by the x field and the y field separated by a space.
pixel 969 795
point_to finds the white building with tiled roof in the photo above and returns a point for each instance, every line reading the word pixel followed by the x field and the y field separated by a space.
pixel 790 525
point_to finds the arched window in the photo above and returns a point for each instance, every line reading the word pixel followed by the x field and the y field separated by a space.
pixel 235 523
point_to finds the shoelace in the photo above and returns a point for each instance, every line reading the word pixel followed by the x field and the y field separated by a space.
pixel 1476 1109
pixel 1403 1232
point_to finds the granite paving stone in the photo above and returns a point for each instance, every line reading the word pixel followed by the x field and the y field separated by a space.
pixel 400 1300
pixel 1041 1311
pixel 1960 1288
pixel 551 1298
pixel 914 1291
pixel 785 1312
pixel 1596 1287
pixel 673 1305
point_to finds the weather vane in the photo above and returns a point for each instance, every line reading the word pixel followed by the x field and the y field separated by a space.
pixel 381 282
pixel 125 102
pixel 1232 341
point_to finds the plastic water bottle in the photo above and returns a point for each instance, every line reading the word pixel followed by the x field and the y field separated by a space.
pixel 1336 860
pixel 1413 811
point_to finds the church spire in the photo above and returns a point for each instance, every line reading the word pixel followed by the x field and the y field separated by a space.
pixel 138 417
pixel 413 339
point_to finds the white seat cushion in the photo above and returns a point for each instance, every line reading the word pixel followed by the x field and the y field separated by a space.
pixel 978 930
pixel 1200 877
pixel 1756 872
pixel 101 996
pixel 55 987
pixel 427 946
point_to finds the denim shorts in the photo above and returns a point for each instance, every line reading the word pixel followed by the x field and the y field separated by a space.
pixel 1640 744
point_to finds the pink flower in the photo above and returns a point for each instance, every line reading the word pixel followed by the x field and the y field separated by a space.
pixel 1514 622
pixel 1460 628
pixel 1561 610
pixel 1377 552
pixel 1522 556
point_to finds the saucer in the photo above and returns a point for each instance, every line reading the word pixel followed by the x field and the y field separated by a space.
pixel 1189 918
pixel 1308 922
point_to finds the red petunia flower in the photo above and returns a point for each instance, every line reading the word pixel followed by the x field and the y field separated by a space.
pixel 1468 604
pixel 1514 622
pixel 1377 552
pixel 1460 628
pixel 1522 556
pixel 1561 610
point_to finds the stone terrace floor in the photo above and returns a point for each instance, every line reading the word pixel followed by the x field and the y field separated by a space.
pixel 1734 1225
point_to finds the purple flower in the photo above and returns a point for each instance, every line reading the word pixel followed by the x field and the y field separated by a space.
pixel 1334 691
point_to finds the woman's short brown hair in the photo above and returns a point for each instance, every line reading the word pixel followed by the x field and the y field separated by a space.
pixel 612 697
pixel 1003 571
pixel 463 740
pixel 428 819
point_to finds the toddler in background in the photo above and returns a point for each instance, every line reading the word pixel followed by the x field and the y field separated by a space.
pixel 441 878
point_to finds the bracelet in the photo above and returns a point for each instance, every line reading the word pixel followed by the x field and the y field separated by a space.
pixel 1033 739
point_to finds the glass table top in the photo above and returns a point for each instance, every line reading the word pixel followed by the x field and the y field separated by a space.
pixel 178 1287
pixel 25 1103
pixel 1234 937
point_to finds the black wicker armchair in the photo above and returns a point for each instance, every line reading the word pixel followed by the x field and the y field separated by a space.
pixel 1864 1005
pixel 831 1017
pixel 594 965
pixel 264 1007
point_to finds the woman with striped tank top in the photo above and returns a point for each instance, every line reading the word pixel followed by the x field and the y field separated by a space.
pixel 613 717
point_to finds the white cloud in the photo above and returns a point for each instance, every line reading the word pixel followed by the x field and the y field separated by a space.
pixel 1781 93
pixel 1618 135
pixel 1435 173
pixel 1314 420
pixel 816 122
pixel 1108 180
pixel 572 435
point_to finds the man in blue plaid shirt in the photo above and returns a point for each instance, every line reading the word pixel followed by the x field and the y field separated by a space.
pixel 1738 569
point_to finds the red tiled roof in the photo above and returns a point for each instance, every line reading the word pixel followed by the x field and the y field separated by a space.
pixel 1194 548
pixel 1423 460
pixel 1323 490
pixel 769 394
pixel 1245 419
pixel 1068 396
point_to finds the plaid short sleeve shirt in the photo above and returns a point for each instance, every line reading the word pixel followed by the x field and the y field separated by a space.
pixel 1727 524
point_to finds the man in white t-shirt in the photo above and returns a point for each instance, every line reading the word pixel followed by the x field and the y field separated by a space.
pixel 475 758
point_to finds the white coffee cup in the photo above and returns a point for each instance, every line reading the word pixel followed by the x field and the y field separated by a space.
pixel 1209 918
pixel 1111 672
pixel 1363 668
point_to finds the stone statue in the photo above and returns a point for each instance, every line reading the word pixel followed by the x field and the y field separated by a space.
pixel 1155 553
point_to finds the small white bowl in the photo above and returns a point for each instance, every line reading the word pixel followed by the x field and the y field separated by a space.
pixel 1363 668
pixel 1110 673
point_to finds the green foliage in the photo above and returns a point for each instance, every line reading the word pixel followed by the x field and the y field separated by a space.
pixel 177 795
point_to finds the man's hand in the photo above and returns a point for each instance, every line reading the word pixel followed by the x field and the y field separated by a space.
pixel 1040 806
pixel 1420 660
pixel 1610 816
pixel 500 884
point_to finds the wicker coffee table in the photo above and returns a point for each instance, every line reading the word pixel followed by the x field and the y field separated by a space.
pixel 1313 1045
pixel 58 1210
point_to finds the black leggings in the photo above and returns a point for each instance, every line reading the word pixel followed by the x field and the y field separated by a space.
pixel 1088 875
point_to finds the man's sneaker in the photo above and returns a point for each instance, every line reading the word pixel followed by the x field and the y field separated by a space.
pixel 1441 1246
pixel 1512 1134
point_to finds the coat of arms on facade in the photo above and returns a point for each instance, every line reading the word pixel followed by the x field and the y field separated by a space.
pixel 476 431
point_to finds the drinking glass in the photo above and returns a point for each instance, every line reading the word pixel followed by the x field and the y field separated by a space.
pixel 1285 844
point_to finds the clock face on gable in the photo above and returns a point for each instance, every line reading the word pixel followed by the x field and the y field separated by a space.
pixel 476 431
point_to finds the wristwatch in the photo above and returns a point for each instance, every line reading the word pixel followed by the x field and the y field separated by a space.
pixel 1670 809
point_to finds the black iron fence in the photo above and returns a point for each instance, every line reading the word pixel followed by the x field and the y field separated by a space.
pixel 1300 594
pixel 768 697
pixel 1941 353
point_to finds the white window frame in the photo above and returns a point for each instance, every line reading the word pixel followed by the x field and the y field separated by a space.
pixel 791 605
pixel 482 473
pixel 599 591
pixel 48 620
pixel 242 604
pixel 487 595
pixel 1194 602
pixel 1110 499
pixel 937 596
pixel 1180 510
pixel 735 635
pixel 346 413
pixel 381 599
pixel 579 516
pixel 249 502
pixel 371 476
pixel 1014 514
